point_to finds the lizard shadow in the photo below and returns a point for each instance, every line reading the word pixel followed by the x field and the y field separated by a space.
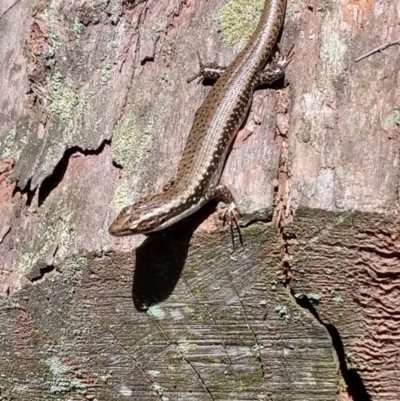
pixel 161 257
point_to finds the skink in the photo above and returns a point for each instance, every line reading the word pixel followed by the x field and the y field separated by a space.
pixel 215 126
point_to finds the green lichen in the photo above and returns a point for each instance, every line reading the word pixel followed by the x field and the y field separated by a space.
pixel 337 300
pixel 55 227
pixel 238 20
pixel 8 146
pixel 282 311
pixel 105 74
pixel 199 294
pixel 125 391
pixel 157 312
pixel 84 112
pixel 72 269
pixel 121 195
pixel 387 122
pixel 63 98
pixel 397 117
pixel 157 389
pixel 130 146
pixel 314 298
pixel 74 109
pixel 53 33
pixel 78 27
pixel 62 380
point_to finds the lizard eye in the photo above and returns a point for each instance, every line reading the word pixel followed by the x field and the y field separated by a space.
pixel 126 210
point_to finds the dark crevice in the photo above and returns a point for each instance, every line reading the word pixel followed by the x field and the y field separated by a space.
pixel 285 262
pixel 147 59
pixel 117 165
pixel 25 191
pixel 355 385
pixel 43 274
pixel 54 179
pixel 131 4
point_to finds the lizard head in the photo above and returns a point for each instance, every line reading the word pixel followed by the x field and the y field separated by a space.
pixel 142 217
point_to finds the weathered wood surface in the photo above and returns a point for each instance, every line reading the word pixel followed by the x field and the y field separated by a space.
pixel 348 265
pixel 95 110
pixel 228 330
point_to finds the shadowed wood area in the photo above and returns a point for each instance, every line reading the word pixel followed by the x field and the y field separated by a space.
pixel 95 111
pixel 227 331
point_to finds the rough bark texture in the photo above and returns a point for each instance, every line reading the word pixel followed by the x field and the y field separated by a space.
pixel 95 110
pixel 348 264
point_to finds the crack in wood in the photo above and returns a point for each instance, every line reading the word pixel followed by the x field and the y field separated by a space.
pixel 52 181
pixel 145 375
pixel 212 320
pixel 9 8
pixel 355 385
pixel 283 214
pixel 43 274
pixel 259 347
pixel 174 342
pixel 29 193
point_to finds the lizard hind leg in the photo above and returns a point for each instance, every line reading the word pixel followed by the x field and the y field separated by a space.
pixel 228 212
pixel 274 69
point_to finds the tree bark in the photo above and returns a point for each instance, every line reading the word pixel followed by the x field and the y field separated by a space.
pixel 95 113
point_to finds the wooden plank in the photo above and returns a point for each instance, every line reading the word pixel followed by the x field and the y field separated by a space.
pixel 226 329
